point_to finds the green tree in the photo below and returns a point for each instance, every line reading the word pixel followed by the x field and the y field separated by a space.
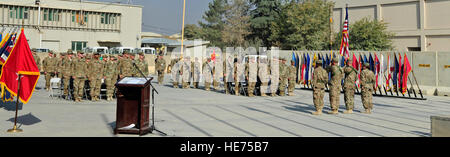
pixel 303 26
pixel 237 23
pixel 367 35
pixel 192 32
pixel 214 23
pixel 265 12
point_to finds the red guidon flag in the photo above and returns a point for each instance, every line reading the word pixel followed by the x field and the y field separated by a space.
pixel 20 62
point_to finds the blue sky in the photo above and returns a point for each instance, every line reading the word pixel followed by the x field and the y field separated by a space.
pixel 165 16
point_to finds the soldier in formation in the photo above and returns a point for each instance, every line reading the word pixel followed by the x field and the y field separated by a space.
pixel 283 77
pixel 335 85
pixel 196 72
pixel 160 66
pixel 320 78
pixel 349 86
pixel 207 73
pixel 49 67
pixel 110 76
pixel 291 78
pixel 367 87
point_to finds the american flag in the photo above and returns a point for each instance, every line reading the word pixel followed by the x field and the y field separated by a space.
pixel 344 43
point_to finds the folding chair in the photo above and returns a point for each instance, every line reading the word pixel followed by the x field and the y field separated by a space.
pixel 103 89
pixel 87 89
pixel 54 84
pixel 243 88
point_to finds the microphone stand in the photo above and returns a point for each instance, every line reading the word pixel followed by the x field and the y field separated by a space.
pixel 152 127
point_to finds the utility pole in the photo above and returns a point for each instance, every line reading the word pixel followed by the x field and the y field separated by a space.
pixel 38 2
pixel 182 28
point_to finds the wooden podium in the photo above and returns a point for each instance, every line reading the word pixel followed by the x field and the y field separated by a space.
pixel 133 101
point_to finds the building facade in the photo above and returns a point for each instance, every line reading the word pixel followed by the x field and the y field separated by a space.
pixel 419 25
pixel 60 25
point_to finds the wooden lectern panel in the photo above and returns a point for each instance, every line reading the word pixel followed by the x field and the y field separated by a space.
pixel 133 101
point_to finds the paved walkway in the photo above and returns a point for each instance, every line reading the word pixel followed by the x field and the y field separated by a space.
pixel 195 112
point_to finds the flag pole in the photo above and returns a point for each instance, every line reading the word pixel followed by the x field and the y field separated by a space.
pixel 15 129
pixel 182 28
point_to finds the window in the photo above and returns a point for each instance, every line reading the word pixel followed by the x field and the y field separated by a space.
pixel 78 45
pixel 73 16
pixel 45 14
pixel 86 17
pixel 102 19
pixel 18 12
pixel 25 13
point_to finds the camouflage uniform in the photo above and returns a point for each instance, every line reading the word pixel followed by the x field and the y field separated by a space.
pixel 349 87
pixel 217 73
pixel 196 72
pixel 186 73
pixel 292 77
pixel 143 66
pixel 110 74
pixel 37 59
pixel 95 77
pixel 320 78
pixel 274 76
pixel 283 77
pixel 175 66
pixel 228 74
pixel 49 66
pixel 59 65
pixel 80 67
pixel 367 87
pixel 252 74
pixel 207 73
pixel 335 85
pixel 126 67
pixel 263 76
pixel 239 75
pixel 160 66
pixel 67 71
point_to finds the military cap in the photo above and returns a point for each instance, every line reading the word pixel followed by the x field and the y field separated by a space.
pixel 141 53
pixel 319 61
pixel 70 53
pixel 62 54
pixel 69 50
pixel 335 60
pixel 366 65
pixel 80 52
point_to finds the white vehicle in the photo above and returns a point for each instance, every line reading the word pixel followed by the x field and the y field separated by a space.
pixel 101 50
pixel 44 50
pixel 146 50
pixel 120 50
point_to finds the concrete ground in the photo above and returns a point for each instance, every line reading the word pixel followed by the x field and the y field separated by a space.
pixel 196 112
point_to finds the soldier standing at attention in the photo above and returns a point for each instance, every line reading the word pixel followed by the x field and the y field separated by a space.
pixel 49 68
pixel 66 71
pixel 275 76
pixel 126 65
pixel 217 72
pixel 207 73
pixel 349 86
pixel 142 64
pixel 367 87
pixel 96 76
pixel 335 85
pixel 79 76
pixel 228 74
pixel 59 65
pixel 252 70
pixel 175 68
pixel 196 72
pixel 283 77
pixel 110 76
pixel 186 72
pixel 133 70
pixel 263 75
pixel 160 66
pixel 37 59
pixel 320 78
pixel 239 75
pixel 291 79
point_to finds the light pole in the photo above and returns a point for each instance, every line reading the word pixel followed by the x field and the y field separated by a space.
pixel 38 2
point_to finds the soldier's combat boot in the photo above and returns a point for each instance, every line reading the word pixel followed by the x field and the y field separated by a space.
pixel 263 94
pixel 367 111
pixel 274 95
pixel 318 112
pixel 291 94
pixel 251 95
pixel 335 111
pixel 348 111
